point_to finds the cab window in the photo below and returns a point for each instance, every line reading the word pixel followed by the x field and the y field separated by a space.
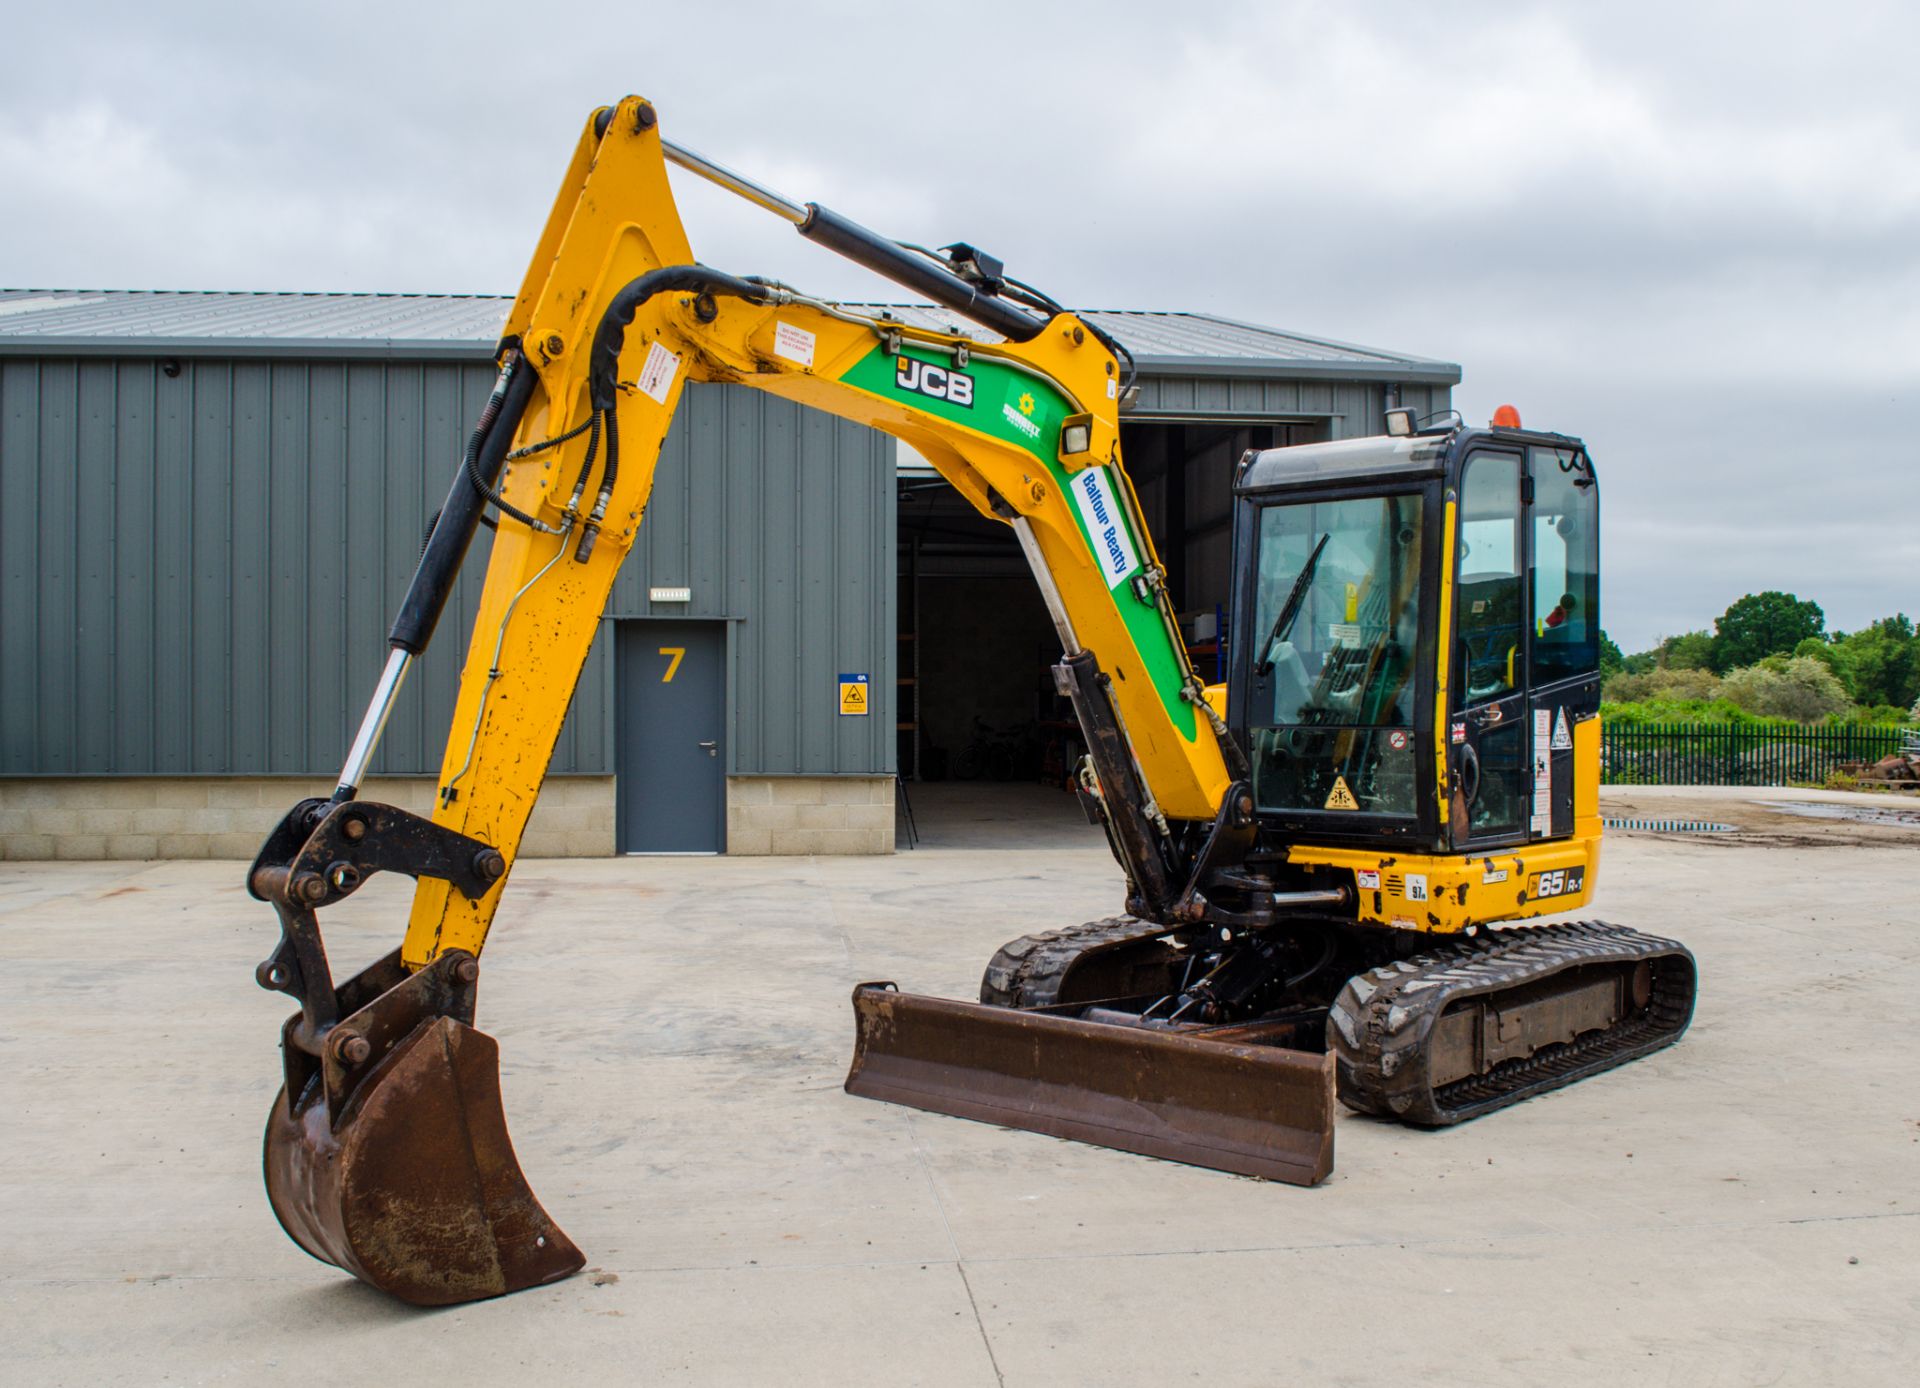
pixel 1487 564
pixel 1337 626
pixel 1566 566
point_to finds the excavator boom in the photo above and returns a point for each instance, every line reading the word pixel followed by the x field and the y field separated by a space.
pixel 613 320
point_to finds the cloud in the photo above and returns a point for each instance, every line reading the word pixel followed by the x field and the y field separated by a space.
pixel 1689 233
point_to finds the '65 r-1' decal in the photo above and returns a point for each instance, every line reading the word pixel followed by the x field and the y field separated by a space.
pixel 1559 882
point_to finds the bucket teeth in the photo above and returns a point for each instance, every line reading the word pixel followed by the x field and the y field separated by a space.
pixel 413 1187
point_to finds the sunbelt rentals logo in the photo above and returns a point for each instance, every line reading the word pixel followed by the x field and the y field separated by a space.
pixel 1112 546
pixel 1021 418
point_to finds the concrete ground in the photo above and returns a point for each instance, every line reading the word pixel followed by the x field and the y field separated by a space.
pixel 1741 1209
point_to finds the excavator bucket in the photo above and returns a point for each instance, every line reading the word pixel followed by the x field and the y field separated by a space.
pixel 1256 1110
pixel 413 1186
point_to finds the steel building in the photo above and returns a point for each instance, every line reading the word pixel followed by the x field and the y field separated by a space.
pixel 211 502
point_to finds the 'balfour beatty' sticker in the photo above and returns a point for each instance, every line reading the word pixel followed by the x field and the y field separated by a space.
pixel 1112 546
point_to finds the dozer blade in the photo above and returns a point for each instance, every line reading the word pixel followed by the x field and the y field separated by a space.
pixel 413 1187
pixel 1253 1110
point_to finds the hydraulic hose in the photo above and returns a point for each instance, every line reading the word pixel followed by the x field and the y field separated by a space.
pixel 603 363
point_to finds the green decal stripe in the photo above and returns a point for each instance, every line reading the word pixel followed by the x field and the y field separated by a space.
pixel 1000 397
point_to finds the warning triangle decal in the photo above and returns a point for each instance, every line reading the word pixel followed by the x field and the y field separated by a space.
pixel 1562 740
pixel 1341 798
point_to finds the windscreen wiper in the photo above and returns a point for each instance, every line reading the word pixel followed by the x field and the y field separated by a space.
pixel 1283 623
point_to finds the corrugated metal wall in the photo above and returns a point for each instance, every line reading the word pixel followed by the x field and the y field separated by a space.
pixel 197 571
pixel 1354 408
pixel 785 517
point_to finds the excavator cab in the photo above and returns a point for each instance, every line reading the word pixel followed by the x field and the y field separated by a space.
pixel 1417 643
pixel 1414 682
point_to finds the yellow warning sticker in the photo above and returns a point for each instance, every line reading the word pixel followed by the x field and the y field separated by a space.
pixel 853 696
pixel 1341 798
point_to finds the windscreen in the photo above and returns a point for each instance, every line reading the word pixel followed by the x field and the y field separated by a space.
pixel 1336 623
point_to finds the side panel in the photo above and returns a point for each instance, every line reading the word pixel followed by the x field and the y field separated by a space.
pixel 1445 895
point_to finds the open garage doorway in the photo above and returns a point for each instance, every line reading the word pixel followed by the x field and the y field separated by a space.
pixel 989 747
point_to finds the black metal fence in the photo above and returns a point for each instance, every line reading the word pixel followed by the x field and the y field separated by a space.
pixel 1683 754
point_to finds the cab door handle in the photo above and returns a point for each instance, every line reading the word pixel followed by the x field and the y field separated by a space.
pixel 710 748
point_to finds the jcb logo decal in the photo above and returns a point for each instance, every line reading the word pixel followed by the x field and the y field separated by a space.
pixel 924 378
pixel 1561 882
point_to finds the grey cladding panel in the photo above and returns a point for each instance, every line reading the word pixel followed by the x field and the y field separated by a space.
pixel 199 569
pixel 206 562
pixel 781 518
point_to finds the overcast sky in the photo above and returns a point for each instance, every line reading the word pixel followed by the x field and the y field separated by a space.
pixel 1688 232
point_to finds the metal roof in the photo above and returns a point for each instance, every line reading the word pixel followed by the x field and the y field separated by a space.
pixel 73 322
pixel 113 321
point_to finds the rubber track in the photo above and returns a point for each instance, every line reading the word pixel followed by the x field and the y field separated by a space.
pixel 1383 1019
pixel 1028 972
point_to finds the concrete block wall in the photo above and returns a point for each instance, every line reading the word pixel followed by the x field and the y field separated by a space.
pixel 228 816
pixel 810 814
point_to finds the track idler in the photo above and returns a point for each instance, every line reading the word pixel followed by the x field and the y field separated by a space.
pixel 387 1151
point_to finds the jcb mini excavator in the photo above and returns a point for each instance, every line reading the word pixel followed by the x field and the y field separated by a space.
pixel 1406 751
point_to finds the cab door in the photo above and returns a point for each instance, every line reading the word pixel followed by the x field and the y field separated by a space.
pixel 1488 731
pixel 1563 662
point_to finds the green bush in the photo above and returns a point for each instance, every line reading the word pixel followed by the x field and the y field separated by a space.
pixel 1800 688
pixel 1873 716
pixel 1665 683
pixel 1711 712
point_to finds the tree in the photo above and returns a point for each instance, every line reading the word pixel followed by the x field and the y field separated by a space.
pixel 1801 688
pixel 1880 664
pixel 1822 649
pixel 1691 650
pixel 1612 662
pixel 1763 624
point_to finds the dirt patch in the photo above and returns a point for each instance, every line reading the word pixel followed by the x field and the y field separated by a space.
pixel 1769 823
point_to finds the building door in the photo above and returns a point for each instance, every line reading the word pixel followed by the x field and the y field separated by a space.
pixel 670 684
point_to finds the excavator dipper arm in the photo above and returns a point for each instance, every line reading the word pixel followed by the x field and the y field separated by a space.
pixel 387 1152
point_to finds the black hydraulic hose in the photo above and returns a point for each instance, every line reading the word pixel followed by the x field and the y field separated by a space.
pixel 603 363
pixel 541 447
pixel 590 532
pixel 484 487
pixel 613 466
pixel 439 567
pixel 593 447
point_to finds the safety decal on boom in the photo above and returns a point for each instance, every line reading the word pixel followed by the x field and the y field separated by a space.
pixel 657 373
pixel 1340 798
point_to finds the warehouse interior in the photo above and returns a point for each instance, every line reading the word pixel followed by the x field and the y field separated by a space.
pixel 976 702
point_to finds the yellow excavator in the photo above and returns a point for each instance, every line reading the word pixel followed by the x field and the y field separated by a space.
pixel 1405 752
